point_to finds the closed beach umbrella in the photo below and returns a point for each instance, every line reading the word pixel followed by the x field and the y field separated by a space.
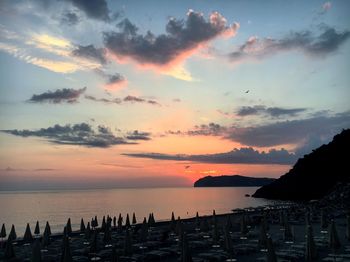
pixel 348 227
pixel 127 243
pixel 150 219
pixel 66 255
pixel 114 255
pixel 287 234
pixel 134 219
pixel 48 228
pixel 185 250
pixel 178 228
pixel 107 236
pixel 204 224
pixel 229 225
pixel 307 218
pixel 28 237
pixel 120 222
pixel 310 252
pixel 12 236
pixel 197 220
pixel 265 221
pixel 82 225
pixel 9 251
pixel 114 221
pixel 3 231
pixel 324 220
pixel 103 224
pixel 172 222
pixel 127 221
pixel 36 252
pixel 215 234
pixel 37 228
pixel 144 231
pixel 94 243
pixel 153 220
pixel 244 228
pixel 271 255
pixel 262 242
pixel 214 217
pixel 333 240
pixel 69 227
pixel 46 238
pixel 228 245
pixel 87 233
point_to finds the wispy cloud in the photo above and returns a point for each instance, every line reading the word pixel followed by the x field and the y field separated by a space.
pixel 244 155
pixel 58 96
pixel 327 42
pixel 127 99
pixel 79 134
pixel 91 52
pixel 272 111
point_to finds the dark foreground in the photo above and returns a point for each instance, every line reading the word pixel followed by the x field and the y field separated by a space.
pixel 314 232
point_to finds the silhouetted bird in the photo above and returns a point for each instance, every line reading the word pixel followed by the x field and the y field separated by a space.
pixel 247 91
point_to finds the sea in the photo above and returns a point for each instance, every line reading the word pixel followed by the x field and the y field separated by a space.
pixel 22 207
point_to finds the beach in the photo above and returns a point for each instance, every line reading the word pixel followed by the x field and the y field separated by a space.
pixel 241 235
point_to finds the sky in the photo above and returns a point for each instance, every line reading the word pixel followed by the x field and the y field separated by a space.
pixel 98 93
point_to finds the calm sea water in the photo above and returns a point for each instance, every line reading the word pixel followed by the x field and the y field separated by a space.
pixel 19 208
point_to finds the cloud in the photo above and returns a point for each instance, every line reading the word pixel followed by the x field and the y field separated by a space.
pixel 135 99
pixel 137 135
pixel 69 18
pixel 327 42
pixel 182 37
pixel 91 52
pixel 212 129
pixel 272 111
pixel 104 100
pixel 95 9
pixel 115 81
pixel 67 95
pixel 79 134
pixel 290 132
pixel 126 99
pixel 244 155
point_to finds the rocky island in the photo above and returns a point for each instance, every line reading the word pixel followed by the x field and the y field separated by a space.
pixel 232 181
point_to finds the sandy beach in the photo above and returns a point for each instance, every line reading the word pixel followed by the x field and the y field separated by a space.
pixel 243 235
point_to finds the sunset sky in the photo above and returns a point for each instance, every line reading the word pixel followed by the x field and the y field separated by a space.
pixel 160 93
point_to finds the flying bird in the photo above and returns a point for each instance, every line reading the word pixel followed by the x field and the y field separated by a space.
pixel 247 91
pixel 187 167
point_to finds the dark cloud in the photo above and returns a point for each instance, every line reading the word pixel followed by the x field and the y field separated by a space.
pixel 328 41
pixel 244 155
pixel 135 99
pixel 104 100
pixel 67 95
pixel 96 9
pixel 115 79
pixel 290 132
pixel 69 18
pixel 181 36
pixel 91 52
pixel 212 129
pixel 250 110
pixel 272 111
pixel 79 134
pixel 137 135
pixel 127 99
